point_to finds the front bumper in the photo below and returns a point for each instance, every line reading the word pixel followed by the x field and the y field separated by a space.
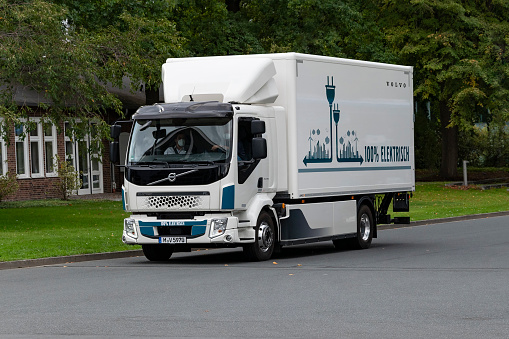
pixel 197 233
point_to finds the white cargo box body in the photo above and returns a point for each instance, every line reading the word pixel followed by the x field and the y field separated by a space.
pixel 349 123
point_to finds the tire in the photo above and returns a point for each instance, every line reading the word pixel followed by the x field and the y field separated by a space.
pixel 157 252
pixel 265 239
pixel 365 228
pixel 364 236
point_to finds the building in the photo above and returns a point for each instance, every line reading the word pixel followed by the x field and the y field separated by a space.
pixel 32 158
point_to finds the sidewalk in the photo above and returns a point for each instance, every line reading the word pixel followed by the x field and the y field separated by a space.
pixel 117 196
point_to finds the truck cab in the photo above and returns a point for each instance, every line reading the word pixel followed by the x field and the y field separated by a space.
pixel 193 171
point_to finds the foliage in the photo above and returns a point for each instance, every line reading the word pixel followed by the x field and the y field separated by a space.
pixel 323 27
pixel 210 29
pixel 8 185
pixel 131 38
pixel 69 179
pixel 459 51
pixel 71 61
pixel 40 52
pixel 71 52
pixel 426 137
pixel 485 146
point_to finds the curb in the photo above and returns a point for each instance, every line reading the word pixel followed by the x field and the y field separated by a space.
pixel 444 220
pixel 4 265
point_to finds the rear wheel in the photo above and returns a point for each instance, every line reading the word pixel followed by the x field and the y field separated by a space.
pixel 365 229
pixel 265 239
pixel 155 252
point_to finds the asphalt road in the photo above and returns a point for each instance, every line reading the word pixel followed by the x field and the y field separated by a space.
pixel 447 280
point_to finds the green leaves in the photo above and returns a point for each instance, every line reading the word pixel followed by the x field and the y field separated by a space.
pixel 326 27
pixel 71 52
pixel 53 51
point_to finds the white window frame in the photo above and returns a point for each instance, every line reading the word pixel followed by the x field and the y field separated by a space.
pixel 39 140
pixel 90 189
pixel 3 158
pixel 26 163
pixel 53 140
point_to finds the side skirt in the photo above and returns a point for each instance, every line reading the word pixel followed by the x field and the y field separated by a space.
pixel 319 239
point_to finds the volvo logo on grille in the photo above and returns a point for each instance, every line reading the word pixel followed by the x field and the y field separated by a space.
pixel 171 177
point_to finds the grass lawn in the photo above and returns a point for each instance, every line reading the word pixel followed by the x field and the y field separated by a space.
pixel 432 200
pixel 47 228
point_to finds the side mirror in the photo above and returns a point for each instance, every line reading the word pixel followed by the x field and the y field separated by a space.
pixel 259 148
pixel 114 152
pixel 115 131
pixel 257 127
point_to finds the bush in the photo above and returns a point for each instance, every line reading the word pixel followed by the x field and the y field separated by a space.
pixel 69 178
pixel 485 146
pixel 8 185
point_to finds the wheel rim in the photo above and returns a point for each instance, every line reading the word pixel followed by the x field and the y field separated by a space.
pixel 265 237
pixel 365 227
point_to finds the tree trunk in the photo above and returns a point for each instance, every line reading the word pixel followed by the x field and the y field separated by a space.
pixel 449 164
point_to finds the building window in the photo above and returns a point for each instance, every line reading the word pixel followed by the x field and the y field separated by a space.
pixel 21 147
pixel 36 154
pixel 50 149
pixel 3 155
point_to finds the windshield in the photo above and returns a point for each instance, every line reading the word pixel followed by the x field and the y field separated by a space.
pixel 180 140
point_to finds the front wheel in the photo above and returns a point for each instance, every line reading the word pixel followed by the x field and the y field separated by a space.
pixel 265 239
pixel 155 252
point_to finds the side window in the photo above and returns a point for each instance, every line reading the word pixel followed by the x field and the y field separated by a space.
pixel 50 148
pixel 36 154
pixel 245 159
pixel 69 146
pixel 244 140
pixel 3 155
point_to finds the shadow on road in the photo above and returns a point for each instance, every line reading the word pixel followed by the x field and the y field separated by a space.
pixel 236 256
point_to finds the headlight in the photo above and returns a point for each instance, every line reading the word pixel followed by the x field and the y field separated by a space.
pixel 130 227
pixel 218 226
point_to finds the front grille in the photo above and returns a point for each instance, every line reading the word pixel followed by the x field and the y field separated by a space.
pixel 172 202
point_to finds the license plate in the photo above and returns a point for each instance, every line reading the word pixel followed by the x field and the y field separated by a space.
pixel 172 240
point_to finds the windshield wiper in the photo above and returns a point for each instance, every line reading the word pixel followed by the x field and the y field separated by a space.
pixel 154 163
pixel 205 162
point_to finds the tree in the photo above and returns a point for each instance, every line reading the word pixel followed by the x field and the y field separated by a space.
pixel 459 51
pixel 214 27
pixel 71 62
pixel 39 52
pixel 324 27
pixel 69 178
pixel 8 185
pixel 132 38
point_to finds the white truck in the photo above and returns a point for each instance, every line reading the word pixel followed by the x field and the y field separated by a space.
pixel 265 151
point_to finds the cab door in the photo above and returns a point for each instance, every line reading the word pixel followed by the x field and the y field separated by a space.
pixel 252 174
